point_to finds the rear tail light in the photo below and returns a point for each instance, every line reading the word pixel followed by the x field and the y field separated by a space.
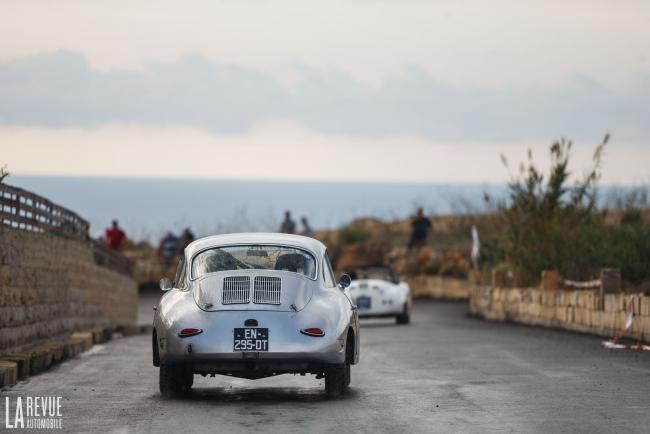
pixel 189 332
pixel 313 331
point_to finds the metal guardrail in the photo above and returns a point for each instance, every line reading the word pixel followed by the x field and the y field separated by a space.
pixel 23 210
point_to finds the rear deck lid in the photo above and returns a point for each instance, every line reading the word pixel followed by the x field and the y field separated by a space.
pixel 283 291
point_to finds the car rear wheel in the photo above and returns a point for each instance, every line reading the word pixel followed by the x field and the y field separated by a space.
pixel 348 375
pixel 175 381
pixel 337 380
pixel 404 317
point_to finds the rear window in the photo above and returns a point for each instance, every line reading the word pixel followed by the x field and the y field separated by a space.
pixel 254 257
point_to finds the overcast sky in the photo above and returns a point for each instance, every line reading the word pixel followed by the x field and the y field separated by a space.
pixel 355 90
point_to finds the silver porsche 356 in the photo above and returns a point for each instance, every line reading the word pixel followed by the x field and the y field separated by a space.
pixel 253 306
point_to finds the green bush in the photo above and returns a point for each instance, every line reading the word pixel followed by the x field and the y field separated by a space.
pixel 549 224
pixel 628 247
pixel 545 221
pixel 432 268
pixel 351 234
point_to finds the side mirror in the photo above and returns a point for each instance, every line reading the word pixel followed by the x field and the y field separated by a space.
pixel 344 281
pixel 166 284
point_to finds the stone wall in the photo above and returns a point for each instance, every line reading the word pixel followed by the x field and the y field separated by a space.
pixel 445 288
pixel 50 286
pixel 584 311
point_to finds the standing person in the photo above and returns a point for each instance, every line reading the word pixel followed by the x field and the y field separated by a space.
pixel 186 238
pixel 306 229
pixel 288 226
pixel 115 236
pixel 168 248
pixel 420 226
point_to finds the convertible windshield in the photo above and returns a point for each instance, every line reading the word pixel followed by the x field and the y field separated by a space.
pixel 254 257
pixel 380 273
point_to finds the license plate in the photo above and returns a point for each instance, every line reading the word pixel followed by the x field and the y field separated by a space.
pixel 251 339
pixel 363 302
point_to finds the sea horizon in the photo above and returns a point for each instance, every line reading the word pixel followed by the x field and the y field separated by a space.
pixel 149 207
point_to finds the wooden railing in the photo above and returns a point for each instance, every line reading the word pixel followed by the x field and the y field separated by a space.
pixel 21 209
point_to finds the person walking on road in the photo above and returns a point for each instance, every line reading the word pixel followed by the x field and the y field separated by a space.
pixel 115 236
pixel 288 226
pixel 420 226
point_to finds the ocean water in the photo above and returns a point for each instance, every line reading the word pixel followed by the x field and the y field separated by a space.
pixel 147 208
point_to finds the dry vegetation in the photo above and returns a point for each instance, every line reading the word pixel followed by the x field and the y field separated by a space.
pixel 547 222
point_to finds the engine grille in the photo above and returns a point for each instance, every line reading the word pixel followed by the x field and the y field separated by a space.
pixel 267 290
pixel 236 290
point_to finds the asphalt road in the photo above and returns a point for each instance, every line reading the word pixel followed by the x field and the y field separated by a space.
pixel 444 373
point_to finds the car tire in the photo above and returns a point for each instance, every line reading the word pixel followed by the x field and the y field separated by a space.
pixel 189 381
pixel 154 350
pixel 337 379
pixel 174 381
pixel 348 375
pixel 404 317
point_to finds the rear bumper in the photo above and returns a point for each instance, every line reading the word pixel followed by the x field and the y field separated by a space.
pixel 254 366
pixel 329 356
pixel 212 350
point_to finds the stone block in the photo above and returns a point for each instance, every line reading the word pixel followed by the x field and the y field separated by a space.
pixel 8 373
pixel 41 359
pixel 85 339
pixel 645 306
pixel 56 348
pixel 550 280
pixel 22 363
pixel 646 328
pixel 98 335
pixel 73 347
pixel 610 302
pixel 596 319
pixel 610 279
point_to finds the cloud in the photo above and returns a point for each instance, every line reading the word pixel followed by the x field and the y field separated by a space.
pixel 61 90
pixel 285 151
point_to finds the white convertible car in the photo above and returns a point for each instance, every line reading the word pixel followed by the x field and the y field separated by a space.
pixel 254 306
pixel 378 293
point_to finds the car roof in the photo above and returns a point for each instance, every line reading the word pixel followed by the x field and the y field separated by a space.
pixel 306 243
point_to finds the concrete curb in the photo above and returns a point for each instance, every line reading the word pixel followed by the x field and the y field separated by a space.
pixel 19 366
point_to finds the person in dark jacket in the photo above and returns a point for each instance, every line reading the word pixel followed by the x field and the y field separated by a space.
pixel 420 226
pixel 168 248
pixel 306 228
pixel 288 226
pixel 186 238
